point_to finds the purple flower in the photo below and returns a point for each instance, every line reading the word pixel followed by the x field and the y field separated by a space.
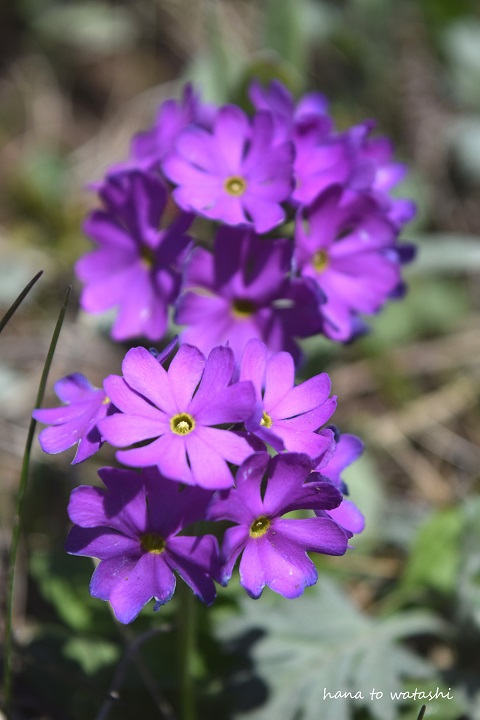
pixel 288 416
pixel 348 246
pixel 279 102
pixel 241 291
pixel 137 265
pixel 150 146
pixel 374 159
pixel 132 528
pixel 235 174
pixel 275 549
pixel 76 422
pixel 348 448
pixel 176 411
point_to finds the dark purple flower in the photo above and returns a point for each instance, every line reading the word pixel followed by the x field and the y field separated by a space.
pixel 76 422
pixel 348 246
pixel 275 549
pixel 177 411
pixel 287 416
pixel 132 528
pixel 136 267
pixel 348 448
pixel 241 291
pixel 235 173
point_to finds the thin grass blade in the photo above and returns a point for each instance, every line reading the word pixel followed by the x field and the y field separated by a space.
pixel 19 300
pixel 17 522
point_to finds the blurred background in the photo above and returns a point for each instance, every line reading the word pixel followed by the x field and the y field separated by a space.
pixel 401 611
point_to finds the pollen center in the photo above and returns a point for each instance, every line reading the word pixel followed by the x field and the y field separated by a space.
pixel 153 543
pixel 235 185
pixel 243 308
pixel 182 424
pixel 106 401
pixel 259 526
pixel 147 256
pixel 320 261
pixel 266 420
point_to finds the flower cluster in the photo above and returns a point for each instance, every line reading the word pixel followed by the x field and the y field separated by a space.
pixel 332 253
pixel 195 437
pixel 306 241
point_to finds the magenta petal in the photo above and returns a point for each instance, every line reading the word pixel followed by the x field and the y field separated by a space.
pixel 230 405
pixel 86 507
pixel 209 469
pixel 185 373
pixel 234 541
pixel 146 376
pixel 216 377
pixel 233 446
pixel 73 388
pixel 102 543
pixel 348 516
pixel 307 396
pixel 252 573
pixel 253 363
pixel 279 379
pixel 287 568
pixel 121 430
pixel 287 473
pixel 171 458
pixel 195 559
pixel 151 577
pixel 127 400
pixel 316 534
pixel 108 573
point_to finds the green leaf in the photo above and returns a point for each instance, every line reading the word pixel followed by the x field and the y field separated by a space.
pixel 434 559
pixel 92 26
pixel 92 654
pixel 322 643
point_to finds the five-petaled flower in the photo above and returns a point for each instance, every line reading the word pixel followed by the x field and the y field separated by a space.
pixel 274 549
pixel 133 529
pixel 178 411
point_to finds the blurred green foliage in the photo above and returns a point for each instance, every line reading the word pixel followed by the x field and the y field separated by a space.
pixel 402 609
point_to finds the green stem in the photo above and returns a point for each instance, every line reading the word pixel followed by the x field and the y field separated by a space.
pixel 186 631
pixel 19 300
pixel 17 521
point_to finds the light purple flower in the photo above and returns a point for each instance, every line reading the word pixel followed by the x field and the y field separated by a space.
pixel 76 422
pixel 136 267
pixel 348 246
pixel 287 416
pixel 177 413
pixel 243 290
pixel 132 528
pixel 274 550
pixel 235 174
pixel 347 449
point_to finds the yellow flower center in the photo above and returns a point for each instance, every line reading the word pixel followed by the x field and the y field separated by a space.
pixel 259 527
pixel 266 420
pixel 153 543
pixel 106 401
pixel 235 185
pixel 243 308
pixel 147 256
pixel 182 424
pixel 320 261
